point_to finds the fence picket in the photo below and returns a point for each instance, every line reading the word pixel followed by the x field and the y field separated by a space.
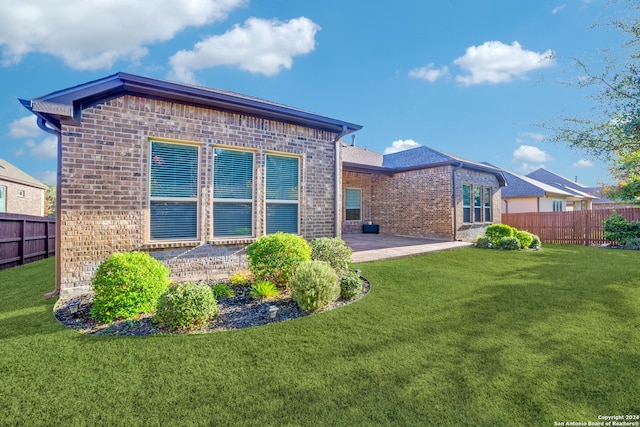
pixel 23 239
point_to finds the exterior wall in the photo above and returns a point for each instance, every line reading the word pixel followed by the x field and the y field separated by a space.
pixel 415 203
pixel 31 202
pixel 362 182
pixel 470 231
pixel 519 205
pixel 104 185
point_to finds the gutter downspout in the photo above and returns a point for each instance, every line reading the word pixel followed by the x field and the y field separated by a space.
pixel 338 184
pixel 454 199
pixel 42 124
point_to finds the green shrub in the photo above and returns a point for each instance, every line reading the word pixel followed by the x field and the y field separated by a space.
pixel 535 242
pixel 332 250
pixel 508 244
pixel 241 278
pixel 350 285
pixel 525 238
pixel 633 243
pixel 484 242
pixel 222 290
pixel 495 232
pixel 274 257
pixel 314 285
pixel 264 290
pixel 618 229
pixel 126 285
pixel 186 306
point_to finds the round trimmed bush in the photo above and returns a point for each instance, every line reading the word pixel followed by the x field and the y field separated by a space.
pixel 495 232
pixel 350 285
pixel 126 285
pixel 484 242
pixel 332 250
pixel 535 242
pixel 186 306
pixel 525 238
pixel 314 285
pixel 508 244
pixel 274 257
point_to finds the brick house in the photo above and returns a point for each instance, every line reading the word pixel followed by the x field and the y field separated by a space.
pixel 20 193
pixel 419 192
pixel 188 173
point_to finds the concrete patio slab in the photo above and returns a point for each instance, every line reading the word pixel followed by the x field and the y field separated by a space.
pixel 373 247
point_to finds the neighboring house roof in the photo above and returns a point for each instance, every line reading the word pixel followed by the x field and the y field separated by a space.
pixel 415 158
pixel 561 183
pixel 8 172
pixel 361 156
pixel 523 186
pixel 67 104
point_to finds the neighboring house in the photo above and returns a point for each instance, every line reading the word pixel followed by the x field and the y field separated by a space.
pixel 419 192
pixel 582 197
pixel 190 174
pixel 19 192
pixel 524 194
pixel 603 202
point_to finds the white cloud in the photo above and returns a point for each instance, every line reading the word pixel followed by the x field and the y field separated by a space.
pixel 259 46
pixel 26 127
pixel 558 8
pixel 526 168
pixel 529 136
pixel 530 154
pixel 46 149
pixel 583 163
pixel 94 34
pixel 401 145
pixel 48 177
pixel 428 73
pixel 496 62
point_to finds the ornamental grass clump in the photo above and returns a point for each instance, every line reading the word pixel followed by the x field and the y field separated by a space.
pixel 314 285
pixel 126 285
pixel 264 290
pixel 274 257
pixel 186 306
pixel 332 250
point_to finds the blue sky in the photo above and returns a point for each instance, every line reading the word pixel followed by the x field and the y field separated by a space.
pixel 471 78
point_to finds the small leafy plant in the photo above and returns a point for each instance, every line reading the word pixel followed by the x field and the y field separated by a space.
pixel 274 257
pixel 264 290
pixel 241 278
pixel 221 290
pixel 332 250
pixel 186 306
pixel 126 285
pixel 484 242
pixel 314 285
pixel 350 285
pixel 509 244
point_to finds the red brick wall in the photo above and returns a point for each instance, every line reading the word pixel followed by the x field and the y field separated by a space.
pixel 104 207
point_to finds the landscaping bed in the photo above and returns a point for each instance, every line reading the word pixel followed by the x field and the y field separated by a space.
pixel 236 312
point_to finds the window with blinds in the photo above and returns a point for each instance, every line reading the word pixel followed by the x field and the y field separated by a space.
pixel 282 193
pixel 353 203
pixel 232 193
pixel 487 204
pixel 173 191
pixel 477 204
pixel 466 203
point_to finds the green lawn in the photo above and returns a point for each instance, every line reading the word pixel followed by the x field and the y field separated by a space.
pixel 463 337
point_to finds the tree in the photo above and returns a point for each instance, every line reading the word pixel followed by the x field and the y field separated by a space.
pixel 50 201
pixel 613 133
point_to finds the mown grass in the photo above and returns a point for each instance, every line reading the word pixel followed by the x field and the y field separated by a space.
pixel 463 337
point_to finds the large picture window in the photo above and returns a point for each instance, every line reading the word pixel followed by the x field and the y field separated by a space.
pixel 353 204
pixel 282 193
pixel 173 191
pixel 476 203
pixel 232 193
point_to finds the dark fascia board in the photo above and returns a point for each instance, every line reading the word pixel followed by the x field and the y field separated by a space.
pixel 381 170
pixel 76 98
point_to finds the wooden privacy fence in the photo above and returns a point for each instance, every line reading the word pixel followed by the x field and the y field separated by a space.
pixel 573 227
pixel 25 238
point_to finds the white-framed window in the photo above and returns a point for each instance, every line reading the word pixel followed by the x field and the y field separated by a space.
pixel 282 193
pixel 466 203
pixel 353 204
pixel 233 192
pixel 173 191
pixel 477 204
pixel 557 206
pixel 20 193
pixel 3 199
pixel 488 193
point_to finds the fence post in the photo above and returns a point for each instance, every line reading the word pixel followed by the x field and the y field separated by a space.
pixel 587 226
pixel 23 228
pixel 46 239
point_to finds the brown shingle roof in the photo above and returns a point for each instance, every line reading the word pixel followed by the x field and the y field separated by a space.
pixel 8 172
